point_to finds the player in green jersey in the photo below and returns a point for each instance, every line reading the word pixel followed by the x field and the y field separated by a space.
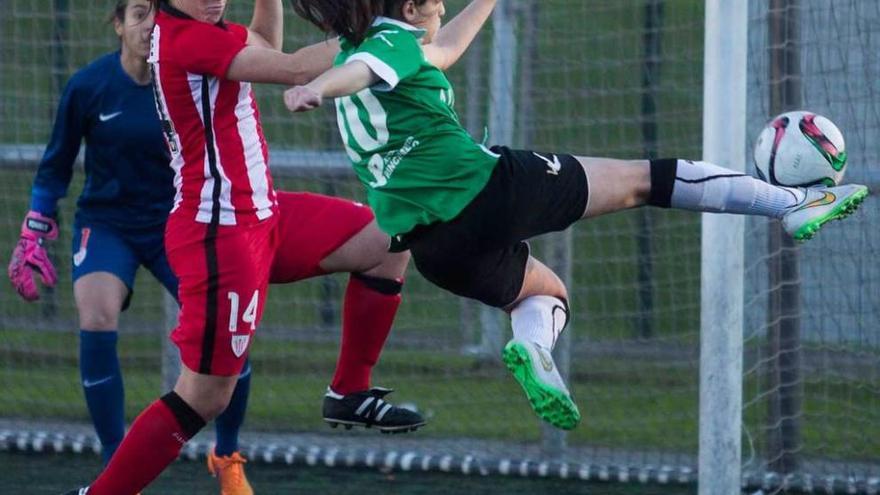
pixel 465 211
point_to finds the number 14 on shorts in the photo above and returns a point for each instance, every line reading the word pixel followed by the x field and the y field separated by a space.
pixel 250 312
pixel 249 315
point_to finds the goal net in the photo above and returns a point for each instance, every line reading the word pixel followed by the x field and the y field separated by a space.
pixel 812 355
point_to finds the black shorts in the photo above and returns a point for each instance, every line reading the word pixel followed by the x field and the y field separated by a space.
pixel 481 253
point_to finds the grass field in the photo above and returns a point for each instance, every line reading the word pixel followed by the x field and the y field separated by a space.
pixel 626 405
pixel 55 474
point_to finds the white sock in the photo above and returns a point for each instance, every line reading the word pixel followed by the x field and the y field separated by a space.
pixel 703 186
pixel 539 319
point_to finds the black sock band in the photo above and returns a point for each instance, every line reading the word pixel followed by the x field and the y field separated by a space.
pixel 190 421
pixel 385 286
pixel 662 181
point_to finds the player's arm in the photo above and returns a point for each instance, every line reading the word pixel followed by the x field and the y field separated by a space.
pixel 267 25
pixel 456 36
pixel 384 59
pixel 343 80
pixel 265 65
pixel 52 180
pixel 55 170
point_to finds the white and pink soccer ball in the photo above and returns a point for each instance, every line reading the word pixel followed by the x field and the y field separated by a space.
pixel 800 149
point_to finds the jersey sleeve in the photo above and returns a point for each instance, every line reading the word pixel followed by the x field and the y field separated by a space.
pixel 393 54
pixel 204 48
pixel 56 168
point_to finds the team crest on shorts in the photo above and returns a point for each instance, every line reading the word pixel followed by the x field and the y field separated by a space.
pixel 240 344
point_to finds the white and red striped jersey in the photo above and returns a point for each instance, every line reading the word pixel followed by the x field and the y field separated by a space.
pixel 212 124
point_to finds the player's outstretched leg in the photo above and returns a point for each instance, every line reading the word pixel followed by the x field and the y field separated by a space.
pixel 703 186
pixel 537 322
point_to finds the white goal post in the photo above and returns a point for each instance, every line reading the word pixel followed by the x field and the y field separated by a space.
pixel 721 314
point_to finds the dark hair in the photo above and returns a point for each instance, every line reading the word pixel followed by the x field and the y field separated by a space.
pixel 350 19
pixel 118 13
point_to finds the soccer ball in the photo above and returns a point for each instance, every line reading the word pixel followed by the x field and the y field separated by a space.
pixel 800 149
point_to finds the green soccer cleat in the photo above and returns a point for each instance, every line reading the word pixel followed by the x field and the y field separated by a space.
pixel 821 205
pixel 534 369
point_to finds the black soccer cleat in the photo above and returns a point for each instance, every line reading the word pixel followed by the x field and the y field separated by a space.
pixel 368 409
pixel 78 491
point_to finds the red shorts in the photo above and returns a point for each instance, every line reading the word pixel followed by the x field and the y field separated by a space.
pixel 310 228
pixel 223 277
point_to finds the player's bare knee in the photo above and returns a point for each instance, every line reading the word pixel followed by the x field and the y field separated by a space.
pixel 99 299
pixel 207 395
pixel 364 251
pixel 392 266
pixel 374 250
pixel 214 407
pixel 372 258
pixel 208 405
pixel 98 318
pixel 539 280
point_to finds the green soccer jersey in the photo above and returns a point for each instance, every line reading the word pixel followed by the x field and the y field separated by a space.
pixel 408 148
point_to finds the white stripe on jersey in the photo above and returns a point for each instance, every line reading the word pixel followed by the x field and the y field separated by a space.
pixel 377 116
pixel 253 155
pixel 388 76
pixel 343 131
pixel 177 166
pixel 162 109
pixel 227 212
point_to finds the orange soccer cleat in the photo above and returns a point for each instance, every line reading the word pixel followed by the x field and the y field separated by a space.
pixel 230 471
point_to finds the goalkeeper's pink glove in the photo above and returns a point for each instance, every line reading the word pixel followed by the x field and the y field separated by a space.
pixel 30 256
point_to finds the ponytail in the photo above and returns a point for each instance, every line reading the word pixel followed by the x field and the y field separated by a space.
pixel 347 18
pixel 350 19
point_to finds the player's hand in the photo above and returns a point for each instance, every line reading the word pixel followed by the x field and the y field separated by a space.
pixel 30 257
pixel 302 99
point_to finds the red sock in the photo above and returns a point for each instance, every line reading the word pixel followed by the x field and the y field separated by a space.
pixel 368 311
pixel 153 442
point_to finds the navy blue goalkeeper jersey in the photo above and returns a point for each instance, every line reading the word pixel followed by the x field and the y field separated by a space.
pixel 129 183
